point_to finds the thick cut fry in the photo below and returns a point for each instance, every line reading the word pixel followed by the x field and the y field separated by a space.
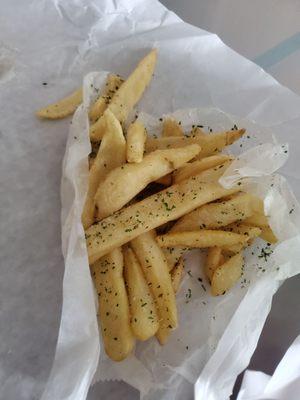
pixel 213 260
pixel 198 166
pixel 144 319
pixel 227 274
pixel 63 107
pixel 210 143
pixel 136 137
pixel 112 84
pixel 113 305
pixel 260 220
pixel 157 275
pixel 153 211
pixel 129 93
pixel 201 239
pixel 215 173
pixel 110 155
pixel 250 232
pixel 171 128
pixel 268 235
pixel 216 215
pixel 256 219
pixel 177 275
pixel 173 255
pixel 125 182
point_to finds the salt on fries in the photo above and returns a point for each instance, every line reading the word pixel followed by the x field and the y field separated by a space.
pixel 137 273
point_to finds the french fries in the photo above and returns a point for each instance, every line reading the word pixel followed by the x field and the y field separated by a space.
pixel 177 275
pixel 136 284
pixel 173 255
pixel 210 143
pixel 213 260
pixel 226 275
pixel 250 232
pixel 201 239
pixel 153 211
pixel 171 128
pixel 215 215
pixel 128 94
pixel 110 155
pixel 63 107
pixel 156 271
pixel 198 166
pixel 136 137
pixel 268 235
pixel 215 173
pixel 114 316
pixel 112 84
pixel 144 319
pixel 124 182
pixel 260 220
pixel 257 219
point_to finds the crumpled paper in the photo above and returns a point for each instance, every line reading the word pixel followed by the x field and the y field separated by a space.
pixel 195 69
pixel 283 384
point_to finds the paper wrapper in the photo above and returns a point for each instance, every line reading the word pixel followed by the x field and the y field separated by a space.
pixel 213 333
pixel 215 340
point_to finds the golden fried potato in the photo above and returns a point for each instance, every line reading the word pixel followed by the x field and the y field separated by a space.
pixel 113 305
pixel 110 155
pixel 112 84
pixel 268 235
pixel 215 215
pixel 210 143
pixel 177 275
pixel 149 213
pixel 125 182
pixel 136 137
pixel 157 275
pixel 128 94
pixel 227 274
pixel 213 260
pixel 171 128
pixel 215 173
pixel 257 219
pixel 201 239
pixel 194 168
pixel 250 232
pixel 173 255
pixel 144 319
pixel 63 107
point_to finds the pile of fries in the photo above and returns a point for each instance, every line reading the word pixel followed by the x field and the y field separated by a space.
pixel 138 184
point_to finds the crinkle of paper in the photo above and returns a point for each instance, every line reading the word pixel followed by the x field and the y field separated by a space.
pixel 195 69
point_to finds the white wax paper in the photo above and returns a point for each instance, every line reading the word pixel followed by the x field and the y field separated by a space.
pixel 58 42
pixel 283 384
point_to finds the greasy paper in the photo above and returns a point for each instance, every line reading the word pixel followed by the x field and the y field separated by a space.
pixel 195 70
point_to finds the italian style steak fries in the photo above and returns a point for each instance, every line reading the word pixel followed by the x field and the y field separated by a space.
pixel 137 235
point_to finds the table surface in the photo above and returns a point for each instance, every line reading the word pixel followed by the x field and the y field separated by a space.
pixel 274 43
